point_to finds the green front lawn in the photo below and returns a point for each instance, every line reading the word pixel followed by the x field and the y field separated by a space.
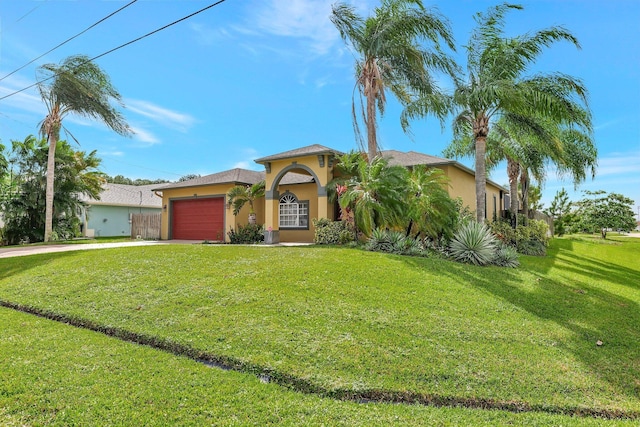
pixel 60 375
pixel 343 321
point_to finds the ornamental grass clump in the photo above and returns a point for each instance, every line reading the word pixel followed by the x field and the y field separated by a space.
pixel 473 243
pixel 394 242
pixel 506 256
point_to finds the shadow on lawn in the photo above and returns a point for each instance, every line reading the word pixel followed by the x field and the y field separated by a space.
pixel 562 251
pixel 585 308
pixel 11 266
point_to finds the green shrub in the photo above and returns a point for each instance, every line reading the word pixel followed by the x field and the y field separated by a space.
pixel 530 239
pixel 506 256
pixel 394 242
pixel 503 231
pixel 532 247
pixel 345 236
pixel 329 232
pixel 439 247
pixel 247 234
pixel 473 243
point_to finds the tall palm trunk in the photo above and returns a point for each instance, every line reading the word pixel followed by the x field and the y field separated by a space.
pixel 524 186
pixel 48 209
pixel 52 127
pixel 513 170
pixel 480 132
pixel 372 143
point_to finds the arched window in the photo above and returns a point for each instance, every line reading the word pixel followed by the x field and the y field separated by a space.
pixel 293 213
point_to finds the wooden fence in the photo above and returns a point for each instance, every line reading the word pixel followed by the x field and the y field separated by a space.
pixel 145 226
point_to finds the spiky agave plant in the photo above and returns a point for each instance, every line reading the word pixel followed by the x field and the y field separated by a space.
pixel 506 256
pixel 473 243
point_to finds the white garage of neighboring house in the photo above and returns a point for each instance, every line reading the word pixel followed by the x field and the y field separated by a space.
pixel 113 213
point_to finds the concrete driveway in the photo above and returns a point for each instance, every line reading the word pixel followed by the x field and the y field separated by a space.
pixel 13 251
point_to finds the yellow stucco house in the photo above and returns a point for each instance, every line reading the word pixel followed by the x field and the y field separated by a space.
pixel 296 192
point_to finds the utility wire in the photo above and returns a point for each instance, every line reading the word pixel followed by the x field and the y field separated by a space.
pixel 28 13
pixel 119 47
pixel 69 39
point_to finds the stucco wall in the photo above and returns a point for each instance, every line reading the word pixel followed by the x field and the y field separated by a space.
pixel 304 192
pixel 109 221
pixel 318 205
pixel 462 184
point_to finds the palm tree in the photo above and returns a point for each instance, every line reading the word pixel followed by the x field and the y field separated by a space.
pixel 76 86
pixel 389 56
pixel 240 195
pixel 377 195
pixel 431 210
pixel 76 174
pixel 495 85
pixel 529 145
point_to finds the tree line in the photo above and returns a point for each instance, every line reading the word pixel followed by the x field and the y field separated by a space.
pixel 597 212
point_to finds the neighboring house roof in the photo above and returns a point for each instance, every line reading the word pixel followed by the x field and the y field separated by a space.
pixel 309 150
pixel 413 158
pixel 126 195
pixel 236 176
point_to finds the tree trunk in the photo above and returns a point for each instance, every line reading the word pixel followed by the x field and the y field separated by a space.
pixel 513 170
pixel 51 166
pixel 372 144
pixel 524 187
pixel 480 132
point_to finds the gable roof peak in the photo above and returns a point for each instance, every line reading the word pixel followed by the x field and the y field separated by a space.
pixel 309 150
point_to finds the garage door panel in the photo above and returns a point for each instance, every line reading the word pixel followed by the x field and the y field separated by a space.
pixel 198 219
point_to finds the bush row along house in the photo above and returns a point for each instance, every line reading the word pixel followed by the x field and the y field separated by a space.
pixel 296 192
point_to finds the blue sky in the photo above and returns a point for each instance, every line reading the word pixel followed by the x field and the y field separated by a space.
pixel 250 78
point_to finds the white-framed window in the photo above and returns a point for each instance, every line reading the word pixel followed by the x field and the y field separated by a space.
pixel 293 213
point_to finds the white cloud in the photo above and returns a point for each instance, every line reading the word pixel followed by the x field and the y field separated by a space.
pixel 166 117
pixel 144 136
pixel 28 101
pixel 249 155
pixel 619 164
pixel 307 20
pixel 617 172
pixel 114 153
pixel 242 165
pixel 609 123
pixel 208 35
pixel 299 18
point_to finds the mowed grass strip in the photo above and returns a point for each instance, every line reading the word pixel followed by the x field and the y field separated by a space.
pixel 352 321
pixel 54 374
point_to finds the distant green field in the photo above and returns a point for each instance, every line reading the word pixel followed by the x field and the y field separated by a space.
pixel 343 322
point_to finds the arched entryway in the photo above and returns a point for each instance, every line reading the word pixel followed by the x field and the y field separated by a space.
pixel 291 201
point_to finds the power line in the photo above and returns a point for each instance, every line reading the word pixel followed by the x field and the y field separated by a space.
pixel 69 39
pixel 120 47
pixel 28 13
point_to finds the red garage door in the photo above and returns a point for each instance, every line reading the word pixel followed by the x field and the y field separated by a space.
pixel 198 219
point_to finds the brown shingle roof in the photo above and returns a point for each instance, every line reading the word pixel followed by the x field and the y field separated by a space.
pixel 236 176
pixel 232 176
pixel 413 158
pixel 309 150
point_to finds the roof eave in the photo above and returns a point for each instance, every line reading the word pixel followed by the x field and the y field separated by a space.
pixel 276 157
